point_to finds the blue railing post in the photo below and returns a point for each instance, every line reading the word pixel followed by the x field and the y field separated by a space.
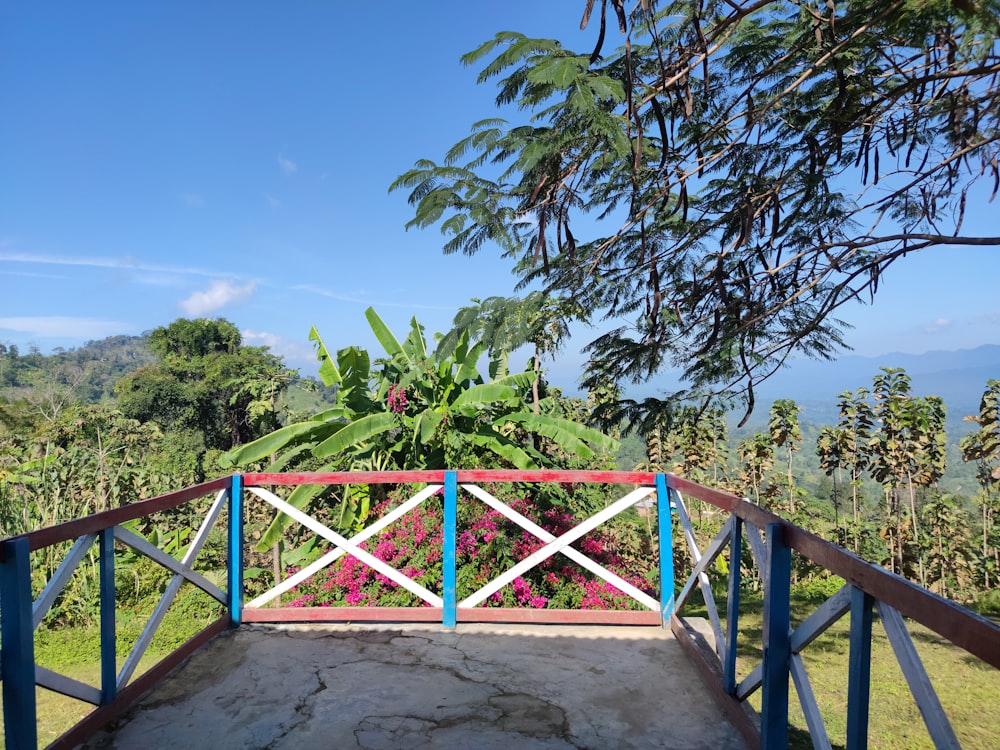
pixel 449 584
pixel 859 669
pixel 17 658
pixel 665 528
pixel 777 646
pixel 109 662
pixel 236 550
pixel 733 606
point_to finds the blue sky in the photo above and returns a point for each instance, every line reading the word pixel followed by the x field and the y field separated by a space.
pixel 187 159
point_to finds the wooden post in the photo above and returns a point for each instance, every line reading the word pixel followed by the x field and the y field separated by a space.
pixel 777 647
pixel 449 592
pixel 733 606
pixel 859 670
pixel 17 659
pixel 665 529
pixel 236 550
pixel 109 661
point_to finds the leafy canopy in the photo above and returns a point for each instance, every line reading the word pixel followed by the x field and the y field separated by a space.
pixel 416 408
pixel 724 181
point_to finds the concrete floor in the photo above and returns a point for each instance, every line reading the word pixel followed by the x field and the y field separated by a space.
pixel 419 686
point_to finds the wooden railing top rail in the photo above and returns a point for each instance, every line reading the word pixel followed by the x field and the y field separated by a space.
pixel 78 527
pixel 469 476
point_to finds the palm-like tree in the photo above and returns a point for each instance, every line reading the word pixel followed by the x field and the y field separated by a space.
pixel 856 422
pixel 786 433
pixel 983 447
pixel 757 456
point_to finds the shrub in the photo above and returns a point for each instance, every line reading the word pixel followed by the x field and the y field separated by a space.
pixel 487 545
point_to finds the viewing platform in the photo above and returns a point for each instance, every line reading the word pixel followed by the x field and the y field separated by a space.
pixel 460 667
pixel 478 686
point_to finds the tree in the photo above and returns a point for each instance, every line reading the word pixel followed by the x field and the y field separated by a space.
pixel 891 453
pixel 856 421
pixel 207 381
pixel 785 433
pixel 908 449
pixel 983 447
pixel 508 323
pixel 421 409
pixel 757 456
pixel 831 448
pixel 732 175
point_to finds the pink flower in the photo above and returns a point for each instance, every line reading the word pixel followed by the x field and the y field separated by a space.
pixel 396 399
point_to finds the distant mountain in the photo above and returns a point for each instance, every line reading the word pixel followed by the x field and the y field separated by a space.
pixel 959 377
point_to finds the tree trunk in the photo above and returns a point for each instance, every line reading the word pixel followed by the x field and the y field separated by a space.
pixel 916 531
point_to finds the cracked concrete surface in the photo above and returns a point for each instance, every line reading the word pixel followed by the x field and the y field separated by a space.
pixel 420 686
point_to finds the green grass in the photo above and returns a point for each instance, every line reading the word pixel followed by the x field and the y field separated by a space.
pixel 76 653
pixel 968 688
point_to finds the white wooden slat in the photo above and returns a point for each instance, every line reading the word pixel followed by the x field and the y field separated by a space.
pixel 59 579
pixel 294 580
pixel 315 526
pixel 64 685
pixel 686 526
pixel 573 554
pixel 826 615
pixel 214 511
pixel 750 683
pixel 807 699
pixel 330 557
pixel 759 552
pixel 170 592
pixel 938 725
pixel 556 546
pixel 139 544
pixel 714 549
pixel 704 583
pixel 713 616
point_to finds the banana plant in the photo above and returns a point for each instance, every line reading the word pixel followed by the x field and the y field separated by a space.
pixel 420 408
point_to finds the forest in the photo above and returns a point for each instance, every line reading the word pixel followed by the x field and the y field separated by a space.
pixel 127 418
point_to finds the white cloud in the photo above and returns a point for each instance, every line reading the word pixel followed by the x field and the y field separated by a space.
pixel 295 352
pixel 939 325
pixel 59 326
pixel 287 165
pixel 360 298
pixel 217 296
pixel 118 264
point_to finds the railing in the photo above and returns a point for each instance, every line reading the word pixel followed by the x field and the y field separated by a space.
pixel 869 589
pixel 771 541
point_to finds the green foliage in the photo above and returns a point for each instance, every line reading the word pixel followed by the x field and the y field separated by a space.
pixel 712 182
pixel 420 409
pixel 191 339
pixel 207 381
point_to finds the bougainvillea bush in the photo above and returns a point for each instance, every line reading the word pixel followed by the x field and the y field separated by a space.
pixel 488 544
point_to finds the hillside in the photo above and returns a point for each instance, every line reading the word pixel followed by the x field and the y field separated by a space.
pixel 88 374
pixel 958 377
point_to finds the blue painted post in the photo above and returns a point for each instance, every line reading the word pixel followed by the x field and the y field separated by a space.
pixel 449 556
pixel 665 528
pixel 733 606
pixel 17 659
pixel 777 646
pixel 859 669
pixel 236 550
pixel 109 660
